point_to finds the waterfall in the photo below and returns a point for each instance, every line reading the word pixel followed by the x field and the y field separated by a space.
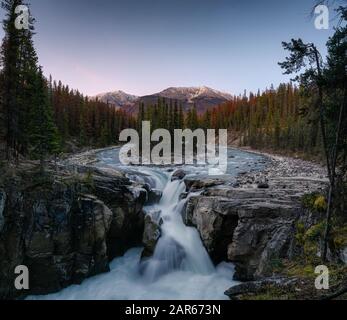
pixel 179 247
pixel 180 268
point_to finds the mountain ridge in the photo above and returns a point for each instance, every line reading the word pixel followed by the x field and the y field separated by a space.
pixel 202 97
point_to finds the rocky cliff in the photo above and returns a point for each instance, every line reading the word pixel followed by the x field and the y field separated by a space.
pixel 253 222
pixel 65 226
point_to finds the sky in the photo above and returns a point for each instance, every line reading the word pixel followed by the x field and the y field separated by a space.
pixel 144 46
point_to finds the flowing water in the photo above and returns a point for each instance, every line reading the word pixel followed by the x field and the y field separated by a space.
pixel 180 267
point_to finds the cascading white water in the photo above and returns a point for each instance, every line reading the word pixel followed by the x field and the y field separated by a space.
pixel 179 247
pixel 180 268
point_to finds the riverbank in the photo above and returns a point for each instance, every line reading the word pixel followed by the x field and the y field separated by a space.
pixel 284 167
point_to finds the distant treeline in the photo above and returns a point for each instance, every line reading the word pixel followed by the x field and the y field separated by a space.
pixel 88 122
pixel 167 114
pixel 40 117
pixel 278 119
pixel 308 118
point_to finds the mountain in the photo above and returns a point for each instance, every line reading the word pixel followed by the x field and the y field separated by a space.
pixel 191 94
pixel 119 99
pixel 203 98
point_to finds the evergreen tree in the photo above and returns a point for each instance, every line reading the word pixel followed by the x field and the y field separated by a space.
pixel 42 131
pixel 194 119
pixel 176 116
pixel 10 62
pixel 181 117
pixel 19 62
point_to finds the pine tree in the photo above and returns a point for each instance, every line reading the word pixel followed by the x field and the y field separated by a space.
pixel 2 122
pixel 188 124
pixel 19 62
pixel 181 117
pixel 104 136
pixel 206 120
pixel 194 119
pixel 43 134
pixel 176 116
pixel 10 62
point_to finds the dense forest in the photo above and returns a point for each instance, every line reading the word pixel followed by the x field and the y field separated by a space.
pixel 85 121
pixel 276 118
pixel 39 117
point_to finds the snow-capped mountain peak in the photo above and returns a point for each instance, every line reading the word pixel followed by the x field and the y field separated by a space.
pixel 118 98
pixel 203 98
pixel 191 93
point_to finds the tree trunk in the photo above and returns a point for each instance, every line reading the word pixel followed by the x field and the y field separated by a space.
pixel 332 180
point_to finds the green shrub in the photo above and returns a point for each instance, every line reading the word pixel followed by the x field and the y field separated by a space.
pixel 300 233
pixel 320 204
pixel 315 202
pixel 315 232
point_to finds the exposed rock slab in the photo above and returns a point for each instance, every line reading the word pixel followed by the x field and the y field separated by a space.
pixel 260 287
pixel 65 227
pixel 252 224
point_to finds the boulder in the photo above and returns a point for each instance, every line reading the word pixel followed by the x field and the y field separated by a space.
pixel 263 185
pixel 154 196
pixel 178 175
pixel 151 234
pixel 196 184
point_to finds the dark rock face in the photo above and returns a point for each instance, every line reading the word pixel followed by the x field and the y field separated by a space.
pixel 154 196
pixel 2 208
pixel 216 223
pixel 250 227
pixel 151 233
pixel 260 286
pixel 178 175
pixel 264 233
pixel 201 184
pixel 67 229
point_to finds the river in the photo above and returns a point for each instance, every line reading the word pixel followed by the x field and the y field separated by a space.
pixel 180 268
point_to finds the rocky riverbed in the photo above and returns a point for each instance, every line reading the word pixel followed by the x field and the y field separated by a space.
pixel 69 225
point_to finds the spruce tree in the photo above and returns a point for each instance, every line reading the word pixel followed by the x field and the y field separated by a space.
pixel 181 117
pixel 43 134
pixel 10 63
pixel 19 62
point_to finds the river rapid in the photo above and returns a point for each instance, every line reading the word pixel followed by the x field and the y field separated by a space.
pixel 180 268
